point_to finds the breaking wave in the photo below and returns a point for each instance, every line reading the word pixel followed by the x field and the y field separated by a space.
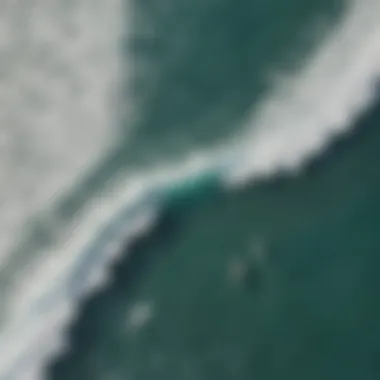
pixel 293 124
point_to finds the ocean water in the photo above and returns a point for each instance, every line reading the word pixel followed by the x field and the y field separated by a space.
pixel 189 190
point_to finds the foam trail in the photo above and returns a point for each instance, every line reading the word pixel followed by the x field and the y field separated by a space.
pixel 321 101
pixel 292 124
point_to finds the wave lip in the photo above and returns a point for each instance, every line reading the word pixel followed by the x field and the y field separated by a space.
pixel 81 266
pixel 321 101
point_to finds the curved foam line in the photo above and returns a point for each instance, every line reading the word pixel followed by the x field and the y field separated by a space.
pixel 320 102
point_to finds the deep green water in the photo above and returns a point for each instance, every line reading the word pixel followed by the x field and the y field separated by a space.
pixel 311 312
pixel 310 309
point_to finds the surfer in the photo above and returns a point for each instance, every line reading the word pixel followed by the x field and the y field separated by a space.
pixel 237 270
pixel 243 269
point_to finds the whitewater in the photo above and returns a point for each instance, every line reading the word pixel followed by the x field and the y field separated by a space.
pixel 51 143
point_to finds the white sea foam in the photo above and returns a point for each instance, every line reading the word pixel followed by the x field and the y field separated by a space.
pixel 292 124
pixel 60 77
pixel 317 103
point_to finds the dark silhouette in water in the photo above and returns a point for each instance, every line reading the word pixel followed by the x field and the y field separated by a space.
pixel 238 270
pixel 247 270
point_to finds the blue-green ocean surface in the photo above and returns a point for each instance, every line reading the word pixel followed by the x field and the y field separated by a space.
pixel 177 307
pixel 199 185
pixel 308 309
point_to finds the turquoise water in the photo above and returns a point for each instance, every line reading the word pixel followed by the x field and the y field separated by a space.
pixel 311 312
pixel 307 309
pixel 195 194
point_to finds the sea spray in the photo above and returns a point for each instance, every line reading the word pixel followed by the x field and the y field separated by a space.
pixel 319 102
